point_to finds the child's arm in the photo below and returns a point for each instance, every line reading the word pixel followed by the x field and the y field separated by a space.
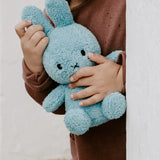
pixel 102 79
pixel 119 57
pixel 122 61
pixel 33 42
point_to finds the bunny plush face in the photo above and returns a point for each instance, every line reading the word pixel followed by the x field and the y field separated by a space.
pixel 67 51
pixel 69 42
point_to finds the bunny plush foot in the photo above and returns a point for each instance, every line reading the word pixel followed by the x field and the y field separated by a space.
pixel 114 105
pixel 77 121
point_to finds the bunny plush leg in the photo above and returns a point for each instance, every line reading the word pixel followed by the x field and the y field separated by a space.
pixel 77 121
pixel 114 105
pixel 59 12
pixel 54 99
pixel 37 17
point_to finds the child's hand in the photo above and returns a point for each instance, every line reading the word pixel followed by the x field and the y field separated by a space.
pixel 33 43
pixel 102 80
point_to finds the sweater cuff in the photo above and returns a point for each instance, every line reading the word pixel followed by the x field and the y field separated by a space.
pixel 38 81
pixel 122 61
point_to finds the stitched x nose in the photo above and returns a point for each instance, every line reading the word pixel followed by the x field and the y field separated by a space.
pixel 75 65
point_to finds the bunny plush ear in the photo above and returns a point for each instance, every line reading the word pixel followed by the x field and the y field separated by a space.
pixel 37 17
pixel 59 12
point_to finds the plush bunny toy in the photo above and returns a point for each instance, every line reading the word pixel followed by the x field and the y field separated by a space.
pixel 65 54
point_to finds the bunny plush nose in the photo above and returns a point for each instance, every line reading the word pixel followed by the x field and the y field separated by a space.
pixel 75 66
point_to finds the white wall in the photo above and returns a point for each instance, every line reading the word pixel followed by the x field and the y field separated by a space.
pixel 143 79
pixel 28 132
pixel 0 81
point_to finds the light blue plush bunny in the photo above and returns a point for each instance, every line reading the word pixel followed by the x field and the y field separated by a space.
pixel 65 54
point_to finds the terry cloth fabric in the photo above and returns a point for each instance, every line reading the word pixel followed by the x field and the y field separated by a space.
pixel 106 20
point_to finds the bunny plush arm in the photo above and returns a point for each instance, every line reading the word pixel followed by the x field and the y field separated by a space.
pixel 54 99
pixel 113 55
pixel 39 86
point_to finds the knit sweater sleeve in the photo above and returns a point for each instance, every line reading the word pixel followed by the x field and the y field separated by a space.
pixel 39 85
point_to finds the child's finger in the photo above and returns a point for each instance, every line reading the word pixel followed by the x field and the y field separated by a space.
pixel 99 59
pixel 83 72
pixel 20 27
pixel 87 92
pixel 42 44
pixel 37 37
pixel 32 30
pixel 92 100
pixel 87 81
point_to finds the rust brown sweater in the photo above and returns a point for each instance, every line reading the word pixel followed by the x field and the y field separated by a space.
pixel 106 20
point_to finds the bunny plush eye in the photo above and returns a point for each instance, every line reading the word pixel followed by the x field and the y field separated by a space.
pixel 83 52
pixel 59 66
